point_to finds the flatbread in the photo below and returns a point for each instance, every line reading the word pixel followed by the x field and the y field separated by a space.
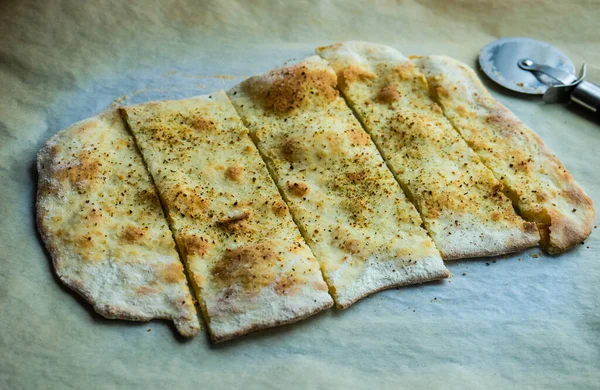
pixel 460 201
pixel 364 232
pixel 535 180
pixel 251 266
pixel 102 222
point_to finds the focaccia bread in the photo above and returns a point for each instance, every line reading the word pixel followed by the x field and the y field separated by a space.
pixel 251 267
pixel 534 179
pixel 102 222
pixel 461 203
pixel 363 231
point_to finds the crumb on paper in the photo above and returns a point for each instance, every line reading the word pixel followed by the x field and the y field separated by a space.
pixel 535 255
pixel 119 100
pixel 464 274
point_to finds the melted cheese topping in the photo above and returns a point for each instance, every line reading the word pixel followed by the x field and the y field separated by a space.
pixel 461 202
pixel 534 179
pixel 354 215
pixel 248 260
pixel 103 224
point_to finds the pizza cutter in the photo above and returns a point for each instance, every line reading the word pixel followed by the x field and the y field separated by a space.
pixel 533 67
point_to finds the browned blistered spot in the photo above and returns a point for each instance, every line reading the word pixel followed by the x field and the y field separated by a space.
pixel 298 189
pixel 131 234
pixel 185 201
pixel 577 196
pixel 82 173
pixel 148 196
pixel 199 124
pixel 234 173
pixel 358 137
pixel 437 109
pixel 170 273
pixel 293 149
pixel 279 208
pixel 406 71
pixel 357 177
pixel 251 267
pixel 146 290
pixel 465 112
pixel 352 246
pixel 194 245
pixel 235 218
pixel 349 74
pixel 85 241
pixel 236 223
pixel 388 94
pixel 292 87
pixel 287 285
pixel 503 119
pixel 541 196
pixel 86 126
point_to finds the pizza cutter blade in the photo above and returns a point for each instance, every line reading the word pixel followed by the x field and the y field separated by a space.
pixel 533 67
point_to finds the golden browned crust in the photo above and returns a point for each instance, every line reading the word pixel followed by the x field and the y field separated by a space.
pixel 251 267
pixel 350 74
pixel 350 209
pixel 460 201
pixel 69 177
pixel 289 89
pixel 539 185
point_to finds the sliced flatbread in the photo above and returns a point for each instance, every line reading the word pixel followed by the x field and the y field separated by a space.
pixel 461 203
pixel 534 179
pixel 250 264
pixel 102 222
pixel 364 232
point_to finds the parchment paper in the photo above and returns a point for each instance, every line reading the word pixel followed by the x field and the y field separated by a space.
pixel 518 322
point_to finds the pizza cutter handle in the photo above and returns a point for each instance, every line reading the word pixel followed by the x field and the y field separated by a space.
pixel 588 95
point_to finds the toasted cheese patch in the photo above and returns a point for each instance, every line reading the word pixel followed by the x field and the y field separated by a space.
pixel 251 265
pixel 538 184
pixel 103 225
pixel 351 211
pixel 350 74
pixel 132 234
pixel 457 196
pixel 289 88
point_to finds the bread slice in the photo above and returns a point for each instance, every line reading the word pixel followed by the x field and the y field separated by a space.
pixel 535 180
pixel 247 258
pixel 364 232
pixel 461 203
pixel 102 222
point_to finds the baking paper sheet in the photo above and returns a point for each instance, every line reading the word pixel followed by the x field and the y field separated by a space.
pixel 524 321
